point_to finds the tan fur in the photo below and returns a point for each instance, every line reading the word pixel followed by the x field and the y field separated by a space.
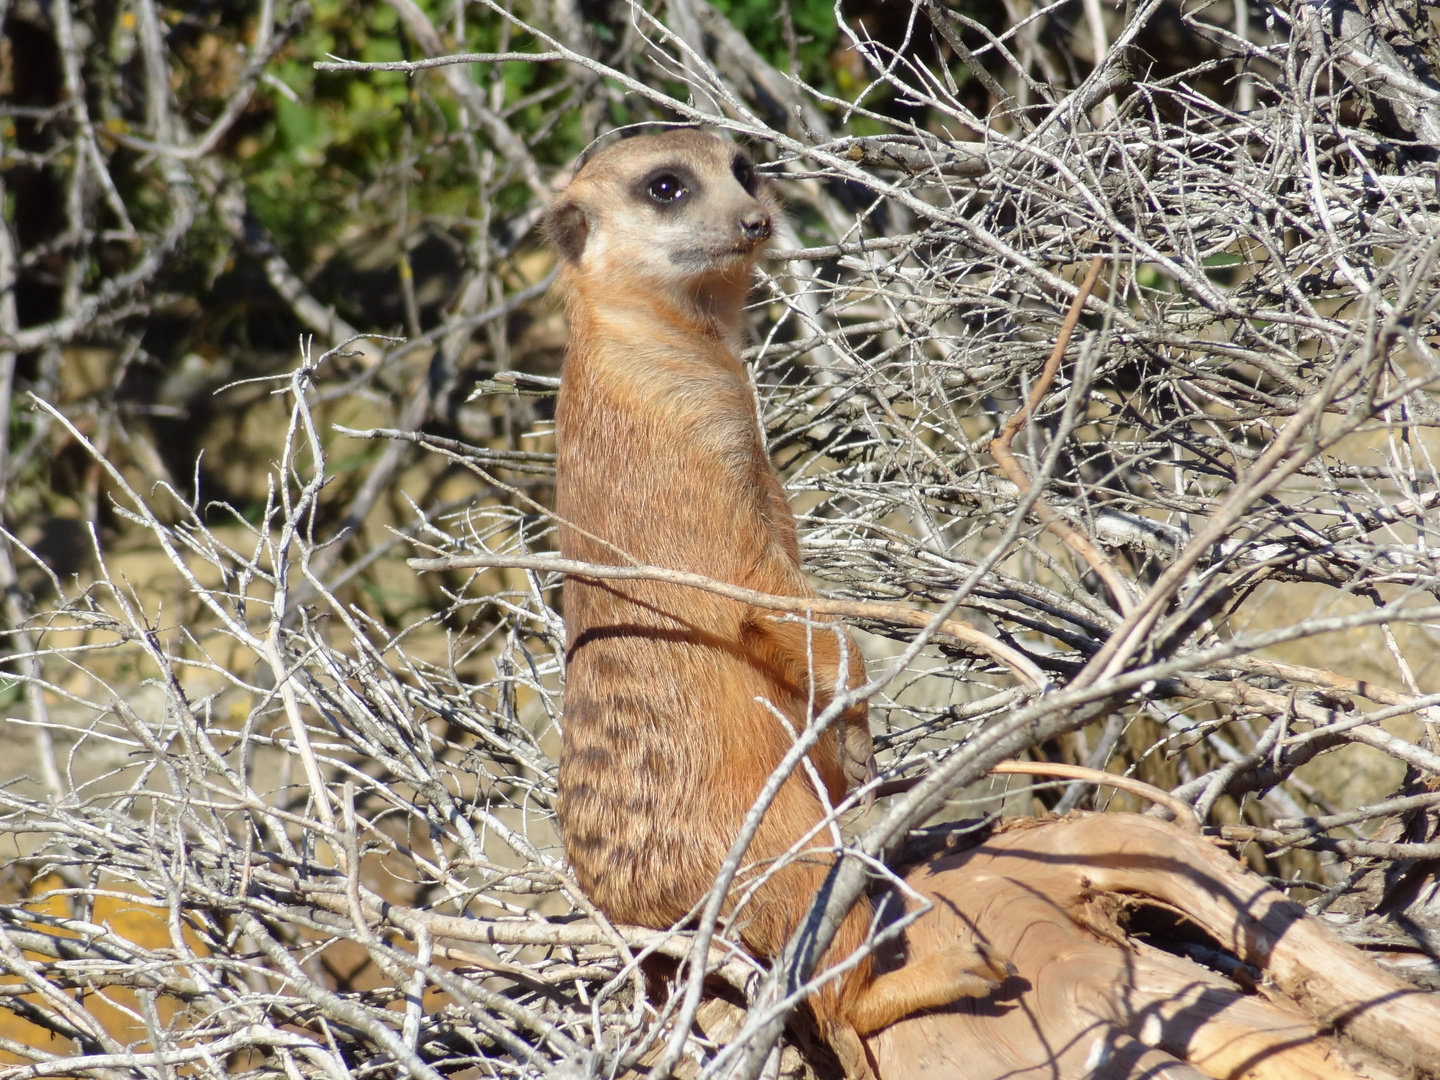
pixel 667 738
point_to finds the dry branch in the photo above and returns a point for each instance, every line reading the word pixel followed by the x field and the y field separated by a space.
pixel 1136 943
pixel 1018 663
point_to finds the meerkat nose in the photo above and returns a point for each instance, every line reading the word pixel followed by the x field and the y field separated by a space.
pixel 754 225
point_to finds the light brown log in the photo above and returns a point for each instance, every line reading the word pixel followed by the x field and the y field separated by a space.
pixel 1094 1000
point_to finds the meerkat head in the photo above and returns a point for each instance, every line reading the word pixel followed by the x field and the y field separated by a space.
pixel 683 211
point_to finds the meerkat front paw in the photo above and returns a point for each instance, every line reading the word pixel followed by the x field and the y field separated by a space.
pixel 965 969
pixel 974 968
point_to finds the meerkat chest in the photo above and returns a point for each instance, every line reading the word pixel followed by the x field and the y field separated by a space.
pixel 676 432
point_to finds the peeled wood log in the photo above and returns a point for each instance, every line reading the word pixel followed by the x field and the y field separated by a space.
pixel 1076 902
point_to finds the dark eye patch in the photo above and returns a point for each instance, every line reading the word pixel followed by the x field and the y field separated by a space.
pixel 744 173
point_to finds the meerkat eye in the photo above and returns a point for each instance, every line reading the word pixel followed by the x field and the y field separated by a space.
pixel 667 188
pixel 744 173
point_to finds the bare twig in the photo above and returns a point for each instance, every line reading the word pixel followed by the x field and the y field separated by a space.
pixel 1000 451
pixel 1020 664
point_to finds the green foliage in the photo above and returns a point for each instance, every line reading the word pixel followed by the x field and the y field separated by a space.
pixel 307 163
pixel 313 163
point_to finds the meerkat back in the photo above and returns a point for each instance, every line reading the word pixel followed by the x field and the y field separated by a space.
pixel 679 704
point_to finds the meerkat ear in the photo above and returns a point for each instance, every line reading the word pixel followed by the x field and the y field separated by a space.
pixel 568 228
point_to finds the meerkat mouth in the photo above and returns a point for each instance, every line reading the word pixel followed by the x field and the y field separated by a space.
pixel 707 258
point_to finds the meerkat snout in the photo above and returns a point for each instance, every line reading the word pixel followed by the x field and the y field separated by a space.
pixel 754 225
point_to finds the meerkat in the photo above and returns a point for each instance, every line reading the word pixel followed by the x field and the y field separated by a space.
pixel 679 704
